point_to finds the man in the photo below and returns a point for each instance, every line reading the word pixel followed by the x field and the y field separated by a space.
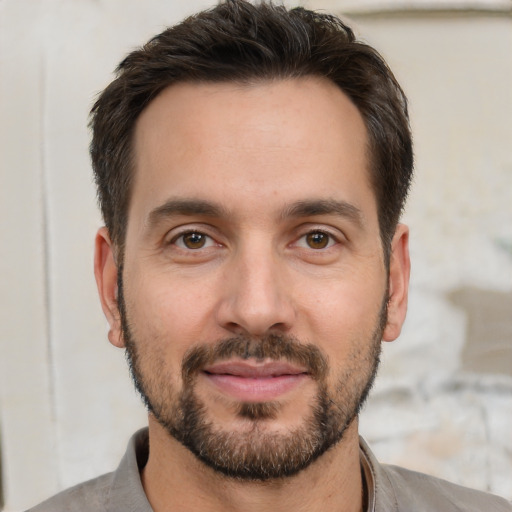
pixel 252 164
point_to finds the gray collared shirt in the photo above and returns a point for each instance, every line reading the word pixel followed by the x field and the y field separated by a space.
pixel 389 489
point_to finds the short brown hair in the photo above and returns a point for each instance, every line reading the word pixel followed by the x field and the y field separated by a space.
pixel 241 42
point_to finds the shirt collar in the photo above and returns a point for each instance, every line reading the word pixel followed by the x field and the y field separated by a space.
pixel 381 496
pixel 127 484
pixel 126 492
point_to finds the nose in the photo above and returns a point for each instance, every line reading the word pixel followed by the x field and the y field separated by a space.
pixel 255 299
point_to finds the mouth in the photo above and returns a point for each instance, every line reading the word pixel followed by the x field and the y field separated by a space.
pixel 255 381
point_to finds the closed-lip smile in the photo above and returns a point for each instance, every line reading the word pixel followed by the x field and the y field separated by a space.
pixel 255 381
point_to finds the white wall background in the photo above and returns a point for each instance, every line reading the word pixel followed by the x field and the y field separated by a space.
pixel 443 403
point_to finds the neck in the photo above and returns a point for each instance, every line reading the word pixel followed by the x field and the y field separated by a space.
pixel 174 479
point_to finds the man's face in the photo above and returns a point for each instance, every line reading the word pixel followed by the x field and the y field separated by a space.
pixel 254 289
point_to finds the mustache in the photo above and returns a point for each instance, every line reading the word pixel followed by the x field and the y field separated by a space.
pixel 271 346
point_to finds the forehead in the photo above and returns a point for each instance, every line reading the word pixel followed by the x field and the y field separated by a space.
pixel 282 137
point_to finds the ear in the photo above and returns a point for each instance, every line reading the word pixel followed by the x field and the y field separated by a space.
pixel 105 271
pixel 399 271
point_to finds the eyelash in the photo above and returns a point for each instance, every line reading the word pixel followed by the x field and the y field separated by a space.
pixel 180 236
pixel 209 241
pixel 331 239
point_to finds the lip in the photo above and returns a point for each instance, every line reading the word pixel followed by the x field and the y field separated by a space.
pixel 254 381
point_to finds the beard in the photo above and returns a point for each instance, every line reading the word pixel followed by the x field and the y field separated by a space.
pixel 257 453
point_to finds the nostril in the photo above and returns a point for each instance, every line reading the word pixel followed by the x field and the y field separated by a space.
pixel 254 309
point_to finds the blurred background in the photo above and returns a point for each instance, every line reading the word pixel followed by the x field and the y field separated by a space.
pixel 443 401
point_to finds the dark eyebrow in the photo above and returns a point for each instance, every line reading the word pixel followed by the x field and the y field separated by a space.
pixel 306 208
pixel 191 207
pixel 311 208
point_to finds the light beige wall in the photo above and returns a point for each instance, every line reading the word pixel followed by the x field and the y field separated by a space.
pixel 443 402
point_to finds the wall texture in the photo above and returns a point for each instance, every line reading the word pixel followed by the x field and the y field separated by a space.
pixel 443 401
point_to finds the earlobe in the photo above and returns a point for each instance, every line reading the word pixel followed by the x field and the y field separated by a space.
pixel 399 271
pixel 105 272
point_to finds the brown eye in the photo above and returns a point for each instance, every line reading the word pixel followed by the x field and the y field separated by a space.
pixel 192 240
pixel 317 240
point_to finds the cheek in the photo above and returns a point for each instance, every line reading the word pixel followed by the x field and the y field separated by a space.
pixel 165 320
pixel 342 313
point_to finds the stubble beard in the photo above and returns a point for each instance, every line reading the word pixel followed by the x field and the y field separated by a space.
pixel 258 453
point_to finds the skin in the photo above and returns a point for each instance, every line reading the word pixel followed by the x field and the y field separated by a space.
pixel 254 152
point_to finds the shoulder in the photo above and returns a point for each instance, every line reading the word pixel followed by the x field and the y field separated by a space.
pixel 397 489
pixel 417 491
pixel 88 496
pixel 120 490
